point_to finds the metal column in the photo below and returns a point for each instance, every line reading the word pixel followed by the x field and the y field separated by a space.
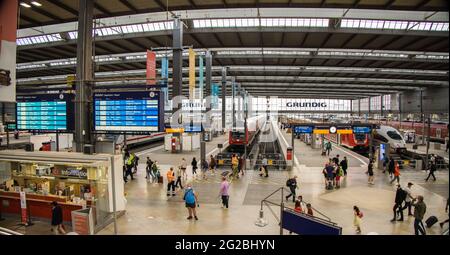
pixel 224 97
pixel 233 92
pixel 427 163
pixel 207 114
pixel 245 124
pixel 177 72
pixel 83 97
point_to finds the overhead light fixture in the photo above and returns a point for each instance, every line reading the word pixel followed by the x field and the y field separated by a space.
pixel 25 5
pixel 36 3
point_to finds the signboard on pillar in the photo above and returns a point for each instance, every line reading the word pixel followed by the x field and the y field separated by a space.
pixel 165 77
pixel 8 31
pixel 200 77
pixel 23 207
pixel 191 73
pixel 151 68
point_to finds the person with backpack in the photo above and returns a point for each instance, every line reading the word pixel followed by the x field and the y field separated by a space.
pixel 194 167
pixel 419 212
pixel 329 171
pixel 344 165
pixel 170 182
pixel 148 169
pixel 191 201
pixel 212 164
pixel 135 163
pixel 291 183
pixel 370 172
pixel 357 218
pixel 400 196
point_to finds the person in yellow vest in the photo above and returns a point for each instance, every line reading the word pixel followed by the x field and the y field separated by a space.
pixel 234 165
pixel 170 182
pixel 129 166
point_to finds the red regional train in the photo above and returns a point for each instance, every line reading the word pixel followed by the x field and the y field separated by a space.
pixel 241 137
pixel 357 142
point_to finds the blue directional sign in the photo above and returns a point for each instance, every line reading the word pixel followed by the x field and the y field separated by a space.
pixel 303 129
pixel 361 129
pixel 193 128
pixel 130 112
pixel 45 112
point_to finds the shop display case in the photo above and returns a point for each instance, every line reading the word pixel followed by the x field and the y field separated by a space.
pixel 74 180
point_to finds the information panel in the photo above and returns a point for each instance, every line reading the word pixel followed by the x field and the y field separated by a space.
pixel 303 129
pixel 362 129
pixel 45 113
pixel 130 112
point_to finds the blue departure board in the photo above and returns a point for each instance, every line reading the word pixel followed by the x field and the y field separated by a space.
pixel 45 113
pixel 130 112
pixel 303 129
pixel 362 129
pixel 193 128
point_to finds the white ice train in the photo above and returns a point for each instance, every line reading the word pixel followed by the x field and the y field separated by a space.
pixel 390 135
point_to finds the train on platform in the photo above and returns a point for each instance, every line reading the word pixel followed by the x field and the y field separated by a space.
pixel 438 131
pixel 239 136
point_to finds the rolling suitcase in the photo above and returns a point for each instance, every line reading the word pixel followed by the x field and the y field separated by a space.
pixel 160 179
pixel 431 221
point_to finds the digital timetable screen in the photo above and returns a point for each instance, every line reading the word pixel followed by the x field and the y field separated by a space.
pixel 45 112
pixel 129 112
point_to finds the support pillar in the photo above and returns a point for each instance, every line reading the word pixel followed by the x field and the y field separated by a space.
pixel 207 114
pixel 233 108
pixel 224 97
pixel 177 74
pixel 83 96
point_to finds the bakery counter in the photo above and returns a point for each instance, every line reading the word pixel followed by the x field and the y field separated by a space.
pixel 38 206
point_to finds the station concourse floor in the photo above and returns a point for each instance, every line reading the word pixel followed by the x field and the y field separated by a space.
pixel 150 212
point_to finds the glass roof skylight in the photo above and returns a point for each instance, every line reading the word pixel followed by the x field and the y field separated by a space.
pixel 39 39
pixel 263 22
pixel 396 25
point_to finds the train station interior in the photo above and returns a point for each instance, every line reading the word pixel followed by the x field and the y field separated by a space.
pixel 224 117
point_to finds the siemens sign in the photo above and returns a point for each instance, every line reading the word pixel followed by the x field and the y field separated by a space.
pixel 307 104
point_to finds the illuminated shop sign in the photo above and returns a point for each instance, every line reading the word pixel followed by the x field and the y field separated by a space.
pixel 78 173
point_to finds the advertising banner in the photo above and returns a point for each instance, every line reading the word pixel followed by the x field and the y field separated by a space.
pixel 151 68
pixel 191 74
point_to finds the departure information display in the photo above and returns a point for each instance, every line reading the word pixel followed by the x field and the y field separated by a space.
pixel 131 112
pixel 45 112
pixel 303 129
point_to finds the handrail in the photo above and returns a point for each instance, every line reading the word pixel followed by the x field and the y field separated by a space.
pixel 5 231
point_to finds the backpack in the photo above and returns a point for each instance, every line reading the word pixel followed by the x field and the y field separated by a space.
pixel 403 194
pixel 189 197
pixel 289 183
pixel 340 172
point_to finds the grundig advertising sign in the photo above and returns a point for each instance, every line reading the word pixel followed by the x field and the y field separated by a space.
pixel 77 173
pixel 307 104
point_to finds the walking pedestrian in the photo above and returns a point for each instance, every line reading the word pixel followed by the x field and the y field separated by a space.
pixel 179 174
pixel 224 187
pixel 205 167
pixel 135 163
pixel 328 148
pixel 183 166
pixel 191 201
pixel 446 210
pixel 432 170
pixel 419 212
pixel 357 219
pixel 212 164
pixel 370 172
pixel 57 219
pixel 148 169
pixel 155 172
pixel 339 174
pixel 240 165
pixel 291 183
pixel 170 182
pixel 344 165
pixel 234 166
pixel 396 173
pixel 408 199
pixel 391 167
pixel 194 167
pixel 400 196
pixel 129 166
pixel 264 165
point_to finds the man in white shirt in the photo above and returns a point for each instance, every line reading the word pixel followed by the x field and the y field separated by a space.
pixel 409 198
